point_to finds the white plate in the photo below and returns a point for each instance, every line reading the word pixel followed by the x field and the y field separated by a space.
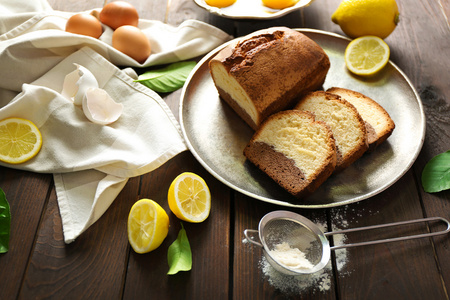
pixel 251 9
pixel 216 136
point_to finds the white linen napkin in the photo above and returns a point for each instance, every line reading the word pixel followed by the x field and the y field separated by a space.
pixel 91 163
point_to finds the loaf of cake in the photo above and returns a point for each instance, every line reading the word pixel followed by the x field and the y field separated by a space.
pixel 378 122
pixel 347 126
pixel 295 150
pixel 264 72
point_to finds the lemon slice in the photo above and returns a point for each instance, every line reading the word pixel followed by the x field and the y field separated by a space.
pixel 189 198
pixel 20 140
pixel 366 55
pixel 148 226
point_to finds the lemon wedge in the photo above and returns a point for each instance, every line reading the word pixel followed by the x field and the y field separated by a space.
pixel 148 226
pixel 366 55
pixel 189 198
pixel 20 140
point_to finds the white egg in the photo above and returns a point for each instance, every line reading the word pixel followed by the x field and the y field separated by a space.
pixel 76 84
pixel 100 108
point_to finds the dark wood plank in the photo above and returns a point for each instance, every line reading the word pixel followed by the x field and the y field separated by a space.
pixel 388 266
pixel 75 6
pixel 93 266
pixel 318 16
pixel 422 36
pixel 151 10
pixel 181 10
pixel 27 194
pixel 210 243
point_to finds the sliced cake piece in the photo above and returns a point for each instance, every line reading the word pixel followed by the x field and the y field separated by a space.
pixel 295 150
pixel 349 129
pixel 378 122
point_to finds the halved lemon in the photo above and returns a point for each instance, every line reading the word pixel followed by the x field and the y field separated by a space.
pixel 366 55
pixel 148 226
pixel 20 140
pixel 189 198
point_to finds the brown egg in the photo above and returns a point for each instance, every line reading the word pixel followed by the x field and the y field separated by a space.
pixel 131 41
pixel 119 13
pixel 84 24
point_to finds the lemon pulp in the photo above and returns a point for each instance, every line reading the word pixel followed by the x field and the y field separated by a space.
pixel 148 226
pixel 366 55
pixel 189 198
pixel 20 140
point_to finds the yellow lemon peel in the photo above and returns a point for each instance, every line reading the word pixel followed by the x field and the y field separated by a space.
pixel 369 17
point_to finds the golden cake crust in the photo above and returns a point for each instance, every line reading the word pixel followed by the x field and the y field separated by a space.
pixel 272 66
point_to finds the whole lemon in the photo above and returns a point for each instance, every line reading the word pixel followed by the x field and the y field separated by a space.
pixel 367 17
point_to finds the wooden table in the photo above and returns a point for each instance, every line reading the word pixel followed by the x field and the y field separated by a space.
pixel 101 265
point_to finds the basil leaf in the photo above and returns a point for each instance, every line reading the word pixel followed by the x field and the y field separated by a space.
pixel 436 174
pixel 179 254
pixel 5 223
pixel 167 79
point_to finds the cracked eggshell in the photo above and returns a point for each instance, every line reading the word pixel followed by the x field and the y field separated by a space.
pixel 100 108
pixel 76 84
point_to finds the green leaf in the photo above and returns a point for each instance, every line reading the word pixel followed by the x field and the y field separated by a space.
pixel 167 79
pixel 5 223
pixel 179 254
pixel 436 174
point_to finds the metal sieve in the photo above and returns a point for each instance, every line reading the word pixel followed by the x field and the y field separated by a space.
pixel 302 235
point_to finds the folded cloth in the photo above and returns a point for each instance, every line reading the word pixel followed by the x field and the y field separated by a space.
pixel 26 38
pixel 90 163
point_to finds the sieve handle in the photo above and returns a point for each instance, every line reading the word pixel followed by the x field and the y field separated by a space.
pixel 390 239
pixel 250 238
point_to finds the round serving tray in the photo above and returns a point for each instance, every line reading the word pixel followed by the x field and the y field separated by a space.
pixel 216 136
pixel 251 9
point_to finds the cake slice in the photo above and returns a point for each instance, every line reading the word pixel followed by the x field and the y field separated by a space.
pixel 264 72
pixel 295 150
pixel 378 122
pixel 349 129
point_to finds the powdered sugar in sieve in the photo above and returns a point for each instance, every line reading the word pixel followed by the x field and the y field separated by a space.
pixel 294 245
